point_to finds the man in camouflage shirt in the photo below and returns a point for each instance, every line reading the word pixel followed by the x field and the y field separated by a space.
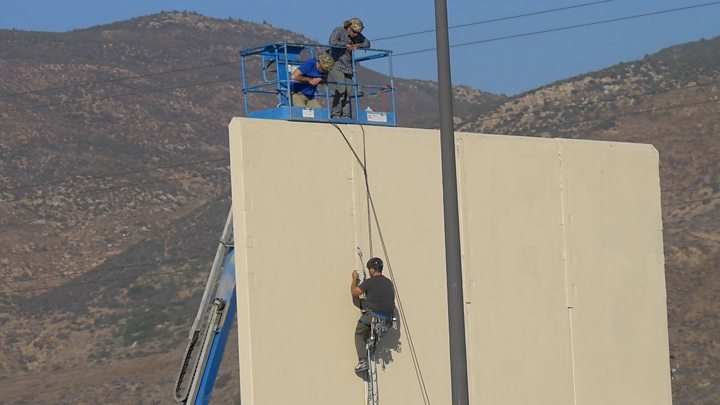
pixel 343 41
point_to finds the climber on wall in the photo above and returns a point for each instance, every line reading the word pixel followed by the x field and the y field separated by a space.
pixel 380 303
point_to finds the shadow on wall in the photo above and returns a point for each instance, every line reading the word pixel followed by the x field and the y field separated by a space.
pixel 389 343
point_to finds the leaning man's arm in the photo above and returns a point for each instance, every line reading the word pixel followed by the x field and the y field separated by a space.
pixel 365 43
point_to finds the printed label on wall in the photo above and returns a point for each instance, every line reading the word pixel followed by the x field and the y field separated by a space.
pixel 377 116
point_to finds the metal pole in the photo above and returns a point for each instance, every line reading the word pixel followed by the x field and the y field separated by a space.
pixel 456 313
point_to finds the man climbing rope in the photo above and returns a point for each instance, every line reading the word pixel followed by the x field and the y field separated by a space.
pixel 380 303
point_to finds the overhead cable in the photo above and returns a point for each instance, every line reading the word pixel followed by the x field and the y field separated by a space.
pixel 534 13
pixel 565 28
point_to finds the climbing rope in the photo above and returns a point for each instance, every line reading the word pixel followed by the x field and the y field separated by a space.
pixel 367 193
pixel 401 310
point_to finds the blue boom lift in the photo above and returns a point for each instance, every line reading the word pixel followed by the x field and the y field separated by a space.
pixel 267 94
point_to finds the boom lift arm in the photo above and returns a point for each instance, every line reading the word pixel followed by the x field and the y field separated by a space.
pixel 211 328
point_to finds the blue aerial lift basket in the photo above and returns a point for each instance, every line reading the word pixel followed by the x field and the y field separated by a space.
pixel 372 103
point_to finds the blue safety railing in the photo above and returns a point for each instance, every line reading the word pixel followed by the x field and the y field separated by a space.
pixel 268 94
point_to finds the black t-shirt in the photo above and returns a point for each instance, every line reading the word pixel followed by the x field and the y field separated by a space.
pixel 380 294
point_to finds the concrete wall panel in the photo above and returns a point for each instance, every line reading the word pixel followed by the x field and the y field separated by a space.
pixel 517 322
pixel 616 273
pixel 300 213
pixel 562 265
pixel 289 250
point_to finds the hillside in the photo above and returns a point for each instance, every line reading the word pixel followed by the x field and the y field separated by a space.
pixel 113 192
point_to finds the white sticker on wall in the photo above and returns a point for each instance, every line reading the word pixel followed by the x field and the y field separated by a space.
pixel 308 113
pixel 377 116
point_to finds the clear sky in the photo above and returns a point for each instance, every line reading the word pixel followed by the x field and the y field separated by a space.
pixel 507 66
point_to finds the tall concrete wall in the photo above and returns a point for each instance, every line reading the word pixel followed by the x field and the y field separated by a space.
pixel 563 265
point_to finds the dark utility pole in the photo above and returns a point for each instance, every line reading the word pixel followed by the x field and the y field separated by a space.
pixel 456 313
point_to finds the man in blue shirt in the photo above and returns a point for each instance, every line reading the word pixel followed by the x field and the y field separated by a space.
pixel 306 79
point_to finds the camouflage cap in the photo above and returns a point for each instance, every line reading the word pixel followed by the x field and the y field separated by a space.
pixel 356 24
pixel 325 61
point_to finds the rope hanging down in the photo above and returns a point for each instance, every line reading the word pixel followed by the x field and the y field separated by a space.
pixel 401 310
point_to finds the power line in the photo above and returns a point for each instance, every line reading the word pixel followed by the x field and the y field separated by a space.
pixel 529 14
pixel 569 27
pixel 117 79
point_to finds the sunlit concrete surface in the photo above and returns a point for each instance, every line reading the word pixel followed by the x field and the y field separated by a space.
pixel 562 253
